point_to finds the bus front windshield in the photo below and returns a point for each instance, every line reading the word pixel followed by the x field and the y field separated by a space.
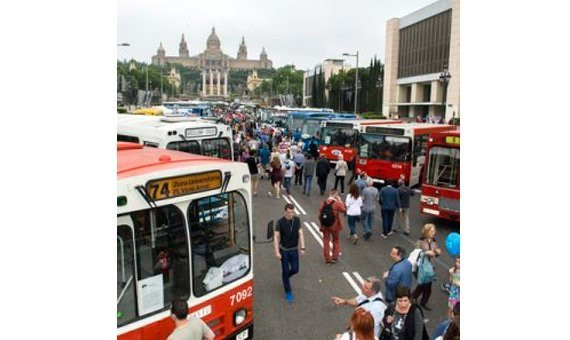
pixel 336 136
pixel 383 147
pixel 279 121
pixel 443 167
pixel 311 127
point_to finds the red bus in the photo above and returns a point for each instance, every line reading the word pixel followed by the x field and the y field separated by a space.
pixel 386 152
pixel 340 137
pixel 440 187
pixel 184 231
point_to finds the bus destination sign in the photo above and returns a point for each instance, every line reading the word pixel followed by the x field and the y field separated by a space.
pixel 385 131
pixel 161 189
pixel 452 140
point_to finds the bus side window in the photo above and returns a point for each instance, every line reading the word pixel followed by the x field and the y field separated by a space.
pixel 125 138
pixel 217 147
pixel 190 146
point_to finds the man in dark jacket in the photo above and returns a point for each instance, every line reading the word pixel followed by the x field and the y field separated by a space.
pixel 322 173
pixel 389 201
pixel 403 217
pixel 400 274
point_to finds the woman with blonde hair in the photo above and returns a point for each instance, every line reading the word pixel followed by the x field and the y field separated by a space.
pixel 430 249
pixel 361 326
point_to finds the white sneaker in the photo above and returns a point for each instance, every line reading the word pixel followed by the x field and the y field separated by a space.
pixel 269 194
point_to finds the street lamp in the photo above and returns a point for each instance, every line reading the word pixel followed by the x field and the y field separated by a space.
pixel 444 78
pixel 355 80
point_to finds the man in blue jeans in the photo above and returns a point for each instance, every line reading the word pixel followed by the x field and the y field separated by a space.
pixel 389 201
pixel 369 197
pixel 288 237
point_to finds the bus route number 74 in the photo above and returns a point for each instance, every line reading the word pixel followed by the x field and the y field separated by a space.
pixel 241 295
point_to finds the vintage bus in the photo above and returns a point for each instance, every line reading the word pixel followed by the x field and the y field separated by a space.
pixel 386 152
pixel 184 231
pixel 339 136
pixel 197 108
pixel 440 187
pixel 188 134
pixel 306 123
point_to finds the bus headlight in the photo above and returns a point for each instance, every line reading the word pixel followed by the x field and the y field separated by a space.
pixel 239 316
pixel 429 200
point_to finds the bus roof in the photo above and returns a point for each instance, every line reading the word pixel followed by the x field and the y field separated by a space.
pixel 134 159
pixel 162 124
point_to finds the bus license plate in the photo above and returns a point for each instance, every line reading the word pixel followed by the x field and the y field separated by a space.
pixel 243 335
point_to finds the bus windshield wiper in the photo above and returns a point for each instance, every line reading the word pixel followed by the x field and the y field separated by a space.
pixel 227 176
pixel 146 197
pixel 183 137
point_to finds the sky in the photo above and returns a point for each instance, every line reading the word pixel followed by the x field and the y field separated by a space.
pixel 299 32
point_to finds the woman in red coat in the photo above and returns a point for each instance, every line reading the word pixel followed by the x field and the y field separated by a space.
pixel 333 230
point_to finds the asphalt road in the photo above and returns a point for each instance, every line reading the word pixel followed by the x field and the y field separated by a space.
pixel 313 315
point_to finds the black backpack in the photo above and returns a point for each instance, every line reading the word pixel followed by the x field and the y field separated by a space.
pixel 327 215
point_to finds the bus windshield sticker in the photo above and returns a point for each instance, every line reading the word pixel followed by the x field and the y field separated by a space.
pixel 391 139
pixel 151 297
pixel 183 185
pixel 327 139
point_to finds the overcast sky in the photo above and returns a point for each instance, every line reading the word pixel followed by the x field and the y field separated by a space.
pixel 302 32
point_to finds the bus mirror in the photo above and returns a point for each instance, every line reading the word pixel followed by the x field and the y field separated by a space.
pixel 270 230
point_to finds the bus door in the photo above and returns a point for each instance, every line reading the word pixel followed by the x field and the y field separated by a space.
pixel 418 158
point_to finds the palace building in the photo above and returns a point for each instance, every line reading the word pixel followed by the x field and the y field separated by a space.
pixel 213 63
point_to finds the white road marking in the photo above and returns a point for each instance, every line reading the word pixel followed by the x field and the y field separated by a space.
pixel 288 201
pixel 298 205
pixel 321 234
pixel 314 234
pixel 352 283
pixel 358 277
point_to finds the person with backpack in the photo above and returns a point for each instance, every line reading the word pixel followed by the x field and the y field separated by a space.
pixel 403 320
pixel 330 223
pixel 399 274
pixel 370 300
pixel 426 273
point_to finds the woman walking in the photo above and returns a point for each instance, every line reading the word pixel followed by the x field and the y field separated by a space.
pixel 403 320
pixel 340 171
pixel 430 250
pixel 276 176
pixel 354 209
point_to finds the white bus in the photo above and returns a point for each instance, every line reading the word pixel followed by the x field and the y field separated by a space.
pixel 187 134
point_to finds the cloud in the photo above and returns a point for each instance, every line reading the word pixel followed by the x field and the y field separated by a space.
pixel 300 32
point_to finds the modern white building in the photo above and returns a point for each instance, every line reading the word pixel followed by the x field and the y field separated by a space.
pixel 421 48
pixel 329 67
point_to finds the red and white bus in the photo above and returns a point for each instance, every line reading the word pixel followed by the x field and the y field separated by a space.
pixel 386 152
pixel 184 230
pixel 440 187
pixel 340 137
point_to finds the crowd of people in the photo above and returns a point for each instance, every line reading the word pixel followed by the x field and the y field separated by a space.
pixel 395 312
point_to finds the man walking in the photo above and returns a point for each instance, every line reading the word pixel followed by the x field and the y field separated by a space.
pixel 331 225
pixel 403 217
pixel 370 299
pixel 192 328
pixel 389 202
pixel 369 198
pixel 288 237
pixel 299 159
pixel 309 172
pixel 399 274
pixel 322 173
pixel 361 181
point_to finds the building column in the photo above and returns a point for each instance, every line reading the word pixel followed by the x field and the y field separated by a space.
pixel 226 83
pixel 211 83
pixel 218 82
pixel 204 82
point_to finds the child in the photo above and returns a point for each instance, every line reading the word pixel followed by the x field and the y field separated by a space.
pixel 454 286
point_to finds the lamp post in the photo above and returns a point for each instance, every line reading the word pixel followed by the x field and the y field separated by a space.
pixel 355 80
pixel 444 78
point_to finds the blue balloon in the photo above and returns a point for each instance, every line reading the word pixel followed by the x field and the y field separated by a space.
pixel 452 244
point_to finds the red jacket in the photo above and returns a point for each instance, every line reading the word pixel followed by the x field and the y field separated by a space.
pixel 339 209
